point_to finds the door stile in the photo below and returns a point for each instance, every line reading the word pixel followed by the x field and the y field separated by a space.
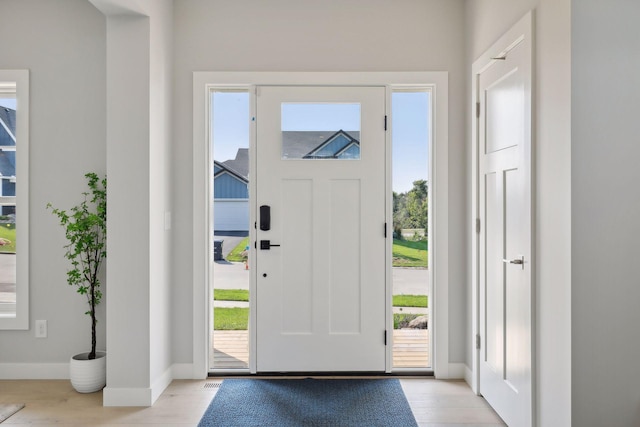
pixel 253 218
pixel 389 232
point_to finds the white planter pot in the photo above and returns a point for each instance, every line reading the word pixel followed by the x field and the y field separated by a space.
pixel 87 375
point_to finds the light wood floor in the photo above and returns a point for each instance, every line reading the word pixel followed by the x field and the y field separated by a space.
pixel 231 349
pixel 434 403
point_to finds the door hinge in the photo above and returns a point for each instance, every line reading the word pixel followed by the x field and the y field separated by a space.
pixel 478 225
pixel 385 230
pixel 478 342
pixel 255 244
pixel 477 110
pixel 255 225
pixel 385 122
pixel 385 337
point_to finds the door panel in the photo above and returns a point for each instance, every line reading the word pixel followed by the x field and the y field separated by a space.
pixel 345 252
pixel 297 236
pixel 504 131
pixel 494 321
pixel 321 293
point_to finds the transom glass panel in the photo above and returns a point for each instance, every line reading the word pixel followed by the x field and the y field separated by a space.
pixel 320 131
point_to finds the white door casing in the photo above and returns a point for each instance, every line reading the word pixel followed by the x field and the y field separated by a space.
pixel 321 294
pixel 503 81
pixel 202 234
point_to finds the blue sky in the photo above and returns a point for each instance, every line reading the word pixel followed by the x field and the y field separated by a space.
pixel 410 132
pixel 311 116
pixel 410 136
pixel 11 103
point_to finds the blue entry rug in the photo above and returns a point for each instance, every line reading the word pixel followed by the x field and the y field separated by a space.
pixel 309 402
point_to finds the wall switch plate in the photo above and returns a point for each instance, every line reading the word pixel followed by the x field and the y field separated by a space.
pixel 41 328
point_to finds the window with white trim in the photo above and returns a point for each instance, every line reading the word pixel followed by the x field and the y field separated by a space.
pixel 14 142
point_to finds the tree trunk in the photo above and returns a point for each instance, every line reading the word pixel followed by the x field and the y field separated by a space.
pixel 92 355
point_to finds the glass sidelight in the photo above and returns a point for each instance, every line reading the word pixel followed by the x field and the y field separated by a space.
pixel 230 157
pixel 411 134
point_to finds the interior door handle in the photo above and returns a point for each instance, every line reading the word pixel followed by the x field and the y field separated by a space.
pixel 517 261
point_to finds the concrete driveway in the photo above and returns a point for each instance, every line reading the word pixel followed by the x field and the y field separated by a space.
pixel 228 243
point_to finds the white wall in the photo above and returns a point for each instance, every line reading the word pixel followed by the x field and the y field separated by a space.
pixel 139 126
pixel 606 212
pixel 486 21
pixel 332 35
pixel 161 127
pixel 128 121
pixel 63 45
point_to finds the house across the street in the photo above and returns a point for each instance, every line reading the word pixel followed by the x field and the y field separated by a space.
pixel 231 195
pixel 7 157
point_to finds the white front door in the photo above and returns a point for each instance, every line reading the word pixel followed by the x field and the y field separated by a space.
pixel 320 294
pixel 504 130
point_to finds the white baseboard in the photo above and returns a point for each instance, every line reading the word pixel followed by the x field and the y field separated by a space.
pixel 182 371
pixel 112 396
pixel 161 383
pixel 457 371
pixel 34 371
pixel 468 376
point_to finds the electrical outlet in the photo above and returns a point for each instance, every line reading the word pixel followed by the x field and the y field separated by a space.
pixel 41 328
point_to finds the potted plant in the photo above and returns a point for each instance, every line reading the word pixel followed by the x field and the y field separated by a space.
pixel 85 229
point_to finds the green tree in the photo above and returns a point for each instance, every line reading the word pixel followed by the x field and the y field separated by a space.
pixel 410 209
pixel 417 205
pixel 86 231
pixel 399 212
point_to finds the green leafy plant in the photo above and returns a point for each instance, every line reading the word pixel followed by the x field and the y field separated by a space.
pixel 86 231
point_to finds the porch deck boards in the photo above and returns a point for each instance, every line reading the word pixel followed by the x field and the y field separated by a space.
pixel 231 349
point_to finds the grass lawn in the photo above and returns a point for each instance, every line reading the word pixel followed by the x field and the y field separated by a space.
pixel 237 319
pixel 410 301
pixel 236 254
pixel 231 295
pixel 230 319
pixel 405 253
pixel 410 254
pixel 8 231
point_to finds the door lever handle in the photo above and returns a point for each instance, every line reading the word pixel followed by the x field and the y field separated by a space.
pixel 517 261
pixel 266 244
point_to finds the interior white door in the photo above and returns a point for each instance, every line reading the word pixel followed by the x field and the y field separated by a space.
pixel 320 294
pixel 504 94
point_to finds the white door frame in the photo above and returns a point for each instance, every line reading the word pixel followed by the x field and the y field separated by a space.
pixel 204 82
pixel 522 31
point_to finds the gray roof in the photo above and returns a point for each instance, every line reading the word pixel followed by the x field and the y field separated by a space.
pixel 239 165
pixel 8 117
pixel 297 144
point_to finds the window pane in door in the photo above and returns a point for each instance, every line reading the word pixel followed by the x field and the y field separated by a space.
pixel 321 131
